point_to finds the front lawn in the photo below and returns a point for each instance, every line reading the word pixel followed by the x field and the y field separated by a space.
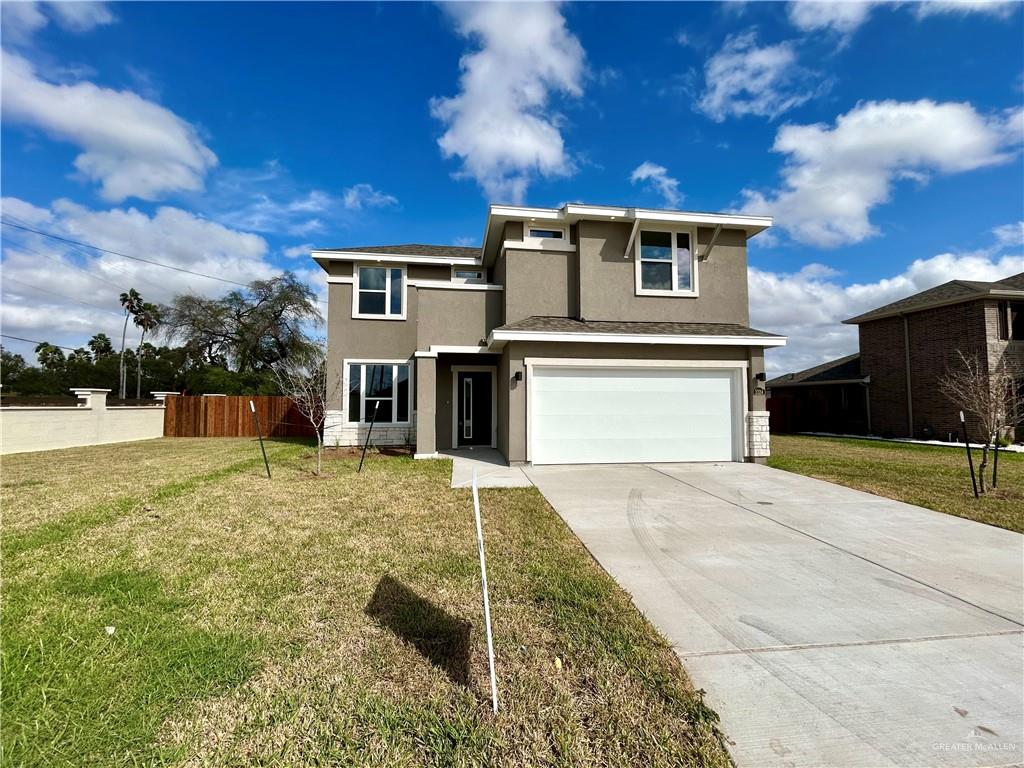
pixel 930 476
pixel 163 603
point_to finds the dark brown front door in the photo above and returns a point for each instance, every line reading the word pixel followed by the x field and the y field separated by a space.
pixel 473 392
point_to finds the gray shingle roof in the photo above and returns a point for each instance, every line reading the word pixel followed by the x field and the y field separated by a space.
pixel 416 249
pixel 571 325
pixel 953 292
pixel 841 369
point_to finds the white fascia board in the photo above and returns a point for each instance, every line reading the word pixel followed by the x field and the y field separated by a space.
pixel 640 338
pixel 757 223
pixel 343 279
pixel 394 258
pixel 557 246
pixel 597 211
pixel 520 212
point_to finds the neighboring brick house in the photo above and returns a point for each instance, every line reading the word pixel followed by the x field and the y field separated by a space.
pixel 906 347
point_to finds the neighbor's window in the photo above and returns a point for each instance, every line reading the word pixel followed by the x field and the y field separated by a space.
pixel 379 292
pixel 664 261
pixel 1003 319
pixel 1016 320
pixel 384 386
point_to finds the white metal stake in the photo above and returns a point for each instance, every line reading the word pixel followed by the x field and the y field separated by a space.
pixel 487 604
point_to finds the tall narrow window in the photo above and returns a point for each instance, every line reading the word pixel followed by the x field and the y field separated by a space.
pixel 1003 319
pixel 380 292
pixel 379 392
pixel 664 262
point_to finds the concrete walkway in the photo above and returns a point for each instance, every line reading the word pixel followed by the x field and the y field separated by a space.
pixel 829 627
pixel 491 469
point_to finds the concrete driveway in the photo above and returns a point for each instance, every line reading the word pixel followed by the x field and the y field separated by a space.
pixel 829 627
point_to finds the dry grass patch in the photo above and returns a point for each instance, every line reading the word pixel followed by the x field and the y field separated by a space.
pixel 324 622
pixel 929 476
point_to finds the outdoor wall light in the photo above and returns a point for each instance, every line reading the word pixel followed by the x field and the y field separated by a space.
pixel 519 376
pixel 760 376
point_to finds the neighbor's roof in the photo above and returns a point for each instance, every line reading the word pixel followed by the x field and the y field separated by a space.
pixel 844 369
pixel 953 292
pixel 571 325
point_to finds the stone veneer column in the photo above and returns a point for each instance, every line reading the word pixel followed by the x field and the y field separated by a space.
pixel 758 440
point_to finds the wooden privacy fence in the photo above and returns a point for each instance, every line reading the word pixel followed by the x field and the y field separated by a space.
pixel 229 416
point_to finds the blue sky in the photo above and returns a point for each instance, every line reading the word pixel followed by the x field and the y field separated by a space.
pixel 228 138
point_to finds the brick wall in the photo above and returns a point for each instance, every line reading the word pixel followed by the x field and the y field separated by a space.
pixel 935 335
pixel 881 358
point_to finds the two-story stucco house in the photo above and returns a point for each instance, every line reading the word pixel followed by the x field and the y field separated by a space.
pixel 574 334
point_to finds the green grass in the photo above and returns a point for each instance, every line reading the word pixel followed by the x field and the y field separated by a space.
pixel 314 621
pixel 934 477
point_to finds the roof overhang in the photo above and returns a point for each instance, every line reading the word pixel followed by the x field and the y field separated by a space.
pixel 324 257
pixel 784 384
pixel 996 293
pixel 570 213
pixel 498 338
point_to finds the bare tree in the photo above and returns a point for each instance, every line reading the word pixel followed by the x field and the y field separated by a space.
pixel 994 399
pixel 302 376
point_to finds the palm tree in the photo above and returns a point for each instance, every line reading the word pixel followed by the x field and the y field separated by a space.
pixel 100 346
pixel 132 302
pixel 147 318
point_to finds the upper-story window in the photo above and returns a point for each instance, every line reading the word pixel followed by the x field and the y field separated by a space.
pixel 665 262
pixel 1011 320
pixel 539 234
pixel 379 293
pixel 464 275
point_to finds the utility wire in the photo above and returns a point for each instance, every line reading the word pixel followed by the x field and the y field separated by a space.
pixel 126 256
pixel 122 255
pixel 62 296
pixel 33 341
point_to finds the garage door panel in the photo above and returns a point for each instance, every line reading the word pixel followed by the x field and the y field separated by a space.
pixel 583 415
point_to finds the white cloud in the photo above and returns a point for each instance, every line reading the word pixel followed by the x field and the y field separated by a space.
pixel 744 79
pixel 361 196
pixel 656 177
pixel 170 235
pixel 998 8
pixel 498 124
pixel 21 20
pixel 835 175
pixel 132 147
pixel 809 306
pixel 297 251
pixel 466 242
pixel 829 15
pixel 80 16
pixel 1010 235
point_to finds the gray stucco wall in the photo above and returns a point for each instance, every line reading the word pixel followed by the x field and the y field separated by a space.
pixel 452 317
pixel 540 283
pixel 607 285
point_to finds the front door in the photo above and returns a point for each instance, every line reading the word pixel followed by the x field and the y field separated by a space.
pixel 473 391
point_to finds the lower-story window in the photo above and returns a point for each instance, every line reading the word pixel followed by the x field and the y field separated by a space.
pixel 381 387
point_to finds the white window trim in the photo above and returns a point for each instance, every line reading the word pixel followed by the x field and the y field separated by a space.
pixel 493 370
pixel 357 315
pixel 362 390
pixel 738 368
pixel 469 280
pixel 694 291
pixel 542 242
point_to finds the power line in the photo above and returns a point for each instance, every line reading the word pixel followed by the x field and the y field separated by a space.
pixel 61 295
pixel 122 255
pixel 126 256
pixel 33 341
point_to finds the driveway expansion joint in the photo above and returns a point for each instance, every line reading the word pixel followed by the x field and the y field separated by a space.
pixel 835 546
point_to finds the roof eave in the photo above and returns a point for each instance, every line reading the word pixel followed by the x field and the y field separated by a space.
pixel 991 294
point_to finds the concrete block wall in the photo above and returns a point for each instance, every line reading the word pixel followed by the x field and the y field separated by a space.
pixel 91 423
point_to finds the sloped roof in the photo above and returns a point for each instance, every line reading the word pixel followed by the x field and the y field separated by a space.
pixel 953 292
pixel 842 369
pixel 414 249
pixel 572 325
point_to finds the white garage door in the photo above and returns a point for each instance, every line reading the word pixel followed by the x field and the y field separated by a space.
pixel 614 415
